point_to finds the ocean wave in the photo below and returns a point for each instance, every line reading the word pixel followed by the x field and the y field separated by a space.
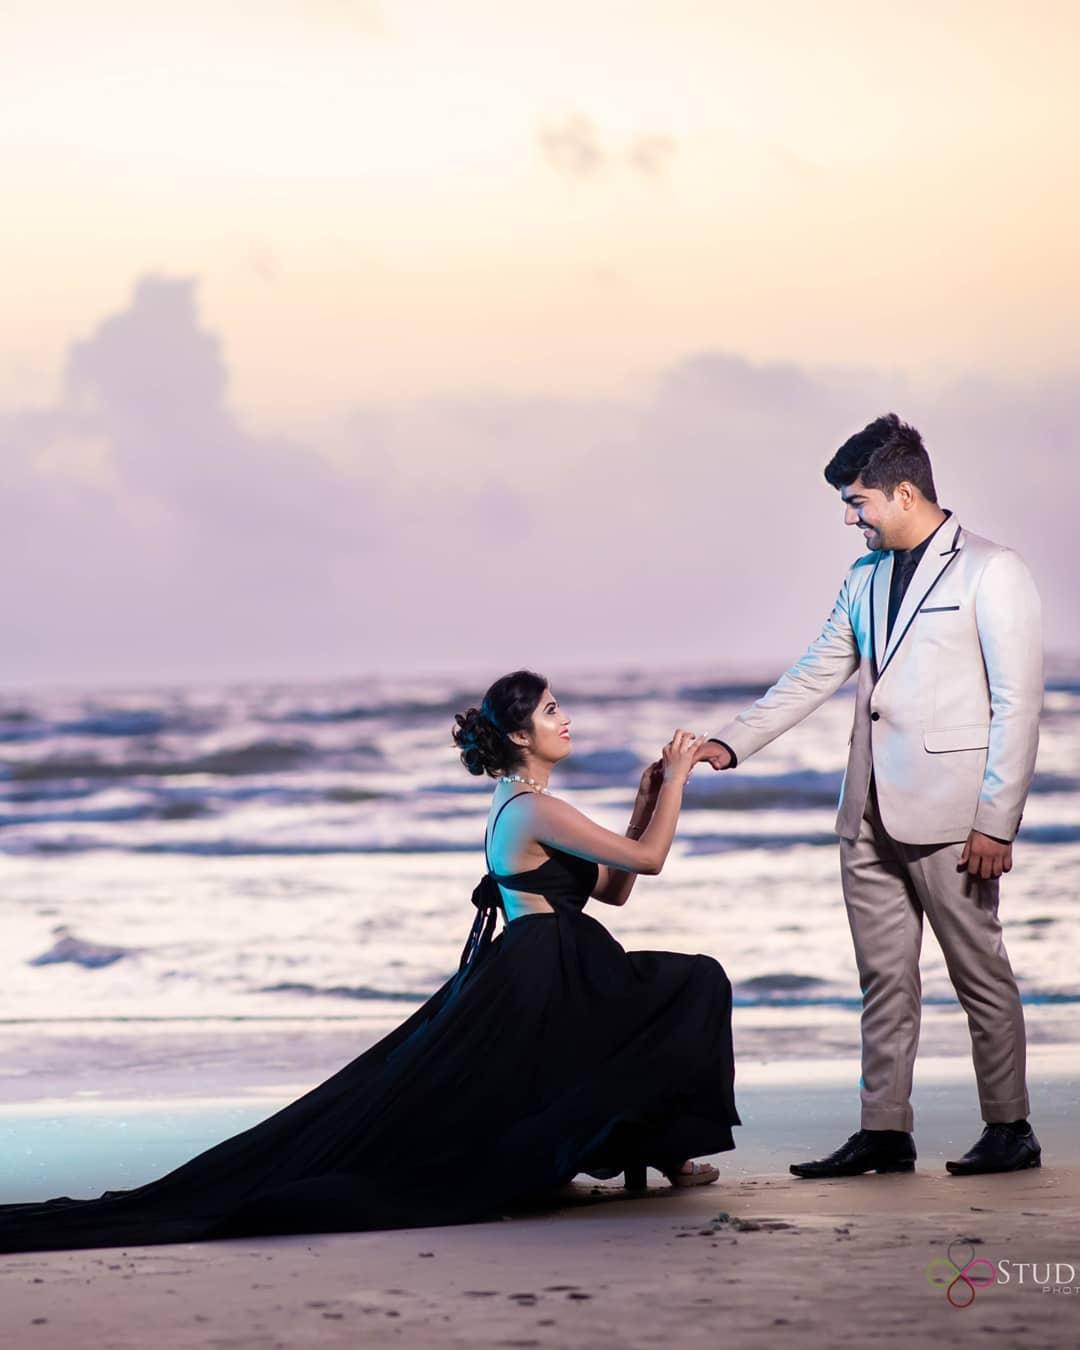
pixel 48 790
pixel 19 733
pixel 782 982
pixel 609 765
pixel 766 991
pixel 749 792
pixel 1032 998
pixel 376 710
pixel 359 991
pixel 573 698
pixel 121 722
pixel 228 848
pixel 89 955
pixel 571 695
pixel 24 725
pixel 254 757
pixel 72 843
pixel 1049 834
pixel 723 692
pixel 703 844
pixel 724 843
pixel 349 795
pixel 59 803
pixel 105 815
pixel 1047 783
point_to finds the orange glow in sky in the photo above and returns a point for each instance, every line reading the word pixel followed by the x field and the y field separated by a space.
pixel 391 200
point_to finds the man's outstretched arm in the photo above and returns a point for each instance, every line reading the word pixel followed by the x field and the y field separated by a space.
pixel 829 660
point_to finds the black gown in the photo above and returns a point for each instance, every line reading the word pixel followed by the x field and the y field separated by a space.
pixel 551 1052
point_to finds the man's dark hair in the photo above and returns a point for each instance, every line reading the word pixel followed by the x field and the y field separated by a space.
pixel 884 454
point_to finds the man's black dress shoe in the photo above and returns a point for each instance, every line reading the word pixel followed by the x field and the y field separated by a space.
pixel 865 1151
pixel 1000 1148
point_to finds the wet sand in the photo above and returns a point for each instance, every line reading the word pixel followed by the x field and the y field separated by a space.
pixel 759 1259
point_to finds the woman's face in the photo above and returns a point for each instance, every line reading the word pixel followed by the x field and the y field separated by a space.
pixel 549 738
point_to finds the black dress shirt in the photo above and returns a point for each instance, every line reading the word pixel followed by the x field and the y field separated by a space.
pixel 905 561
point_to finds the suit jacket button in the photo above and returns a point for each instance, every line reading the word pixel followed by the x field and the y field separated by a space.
pixel 874 717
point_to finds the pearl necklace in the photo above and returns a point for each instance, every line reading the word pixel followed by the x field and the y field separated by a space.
pixel 529 782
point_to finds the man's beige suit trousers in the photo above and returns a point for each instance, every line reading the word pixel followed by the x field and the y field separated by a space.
pixel 888 887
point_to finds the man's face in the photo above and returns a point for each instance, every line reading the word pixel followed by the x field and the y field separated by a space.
pixel 871 511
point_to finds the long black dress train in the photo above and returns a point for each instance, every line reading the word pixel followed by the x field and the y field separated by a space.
pixel 552 1051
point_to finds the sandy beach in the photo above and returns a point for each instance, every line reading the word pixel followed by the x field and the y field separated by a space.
pixel 757 1260
pixel 763 1262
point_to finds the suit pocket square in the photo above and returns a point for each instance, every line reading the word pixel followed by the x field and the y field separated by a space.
pixel 938 609
pixel 944 739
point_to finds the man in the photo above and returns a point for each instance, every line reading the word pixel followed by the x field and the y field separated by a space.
pixel 944 629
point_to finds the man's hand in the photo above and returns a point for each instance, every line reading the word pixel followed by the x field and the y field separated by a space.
pixel 652 780
pixel 714 753
pixel 985 857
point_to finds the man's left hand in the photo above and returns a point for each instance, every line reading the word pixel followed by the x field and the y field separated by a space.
pixel 985 857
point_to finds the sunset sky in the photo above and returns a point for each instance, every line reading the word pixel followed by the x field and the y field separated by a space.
pixel 311 309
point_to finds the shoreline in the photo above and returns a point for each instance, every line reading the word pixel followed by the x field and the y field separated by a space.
pixel 148 1112
pixel 173 1057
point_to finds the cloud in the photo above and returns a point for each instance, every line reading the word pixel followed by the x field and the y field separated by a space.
pixel 572 148
pixel 685 523
pixel 145 518
pixel 651 155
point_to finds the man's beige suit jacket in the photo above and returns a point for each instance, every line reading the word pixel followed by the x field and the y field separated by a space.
pixel 946 712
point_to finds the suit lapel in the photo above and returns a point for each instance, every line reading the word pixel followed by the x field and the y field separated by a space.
pixel 879 607
pixel 940 554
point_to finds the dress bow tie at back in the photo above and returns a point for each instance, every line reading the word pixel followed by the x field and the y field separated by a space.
pixel 488 902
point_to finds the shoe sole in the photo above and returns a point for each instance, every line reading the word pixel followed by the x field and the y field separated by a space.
pixel 992 1171
pixel 830 1176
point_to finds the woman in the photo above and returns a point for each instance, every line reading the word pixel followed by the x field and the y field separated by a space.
pixel 550 1052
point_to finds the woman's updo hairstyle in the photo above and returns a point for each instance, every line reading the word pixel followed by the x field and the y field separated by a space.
pixel 483 734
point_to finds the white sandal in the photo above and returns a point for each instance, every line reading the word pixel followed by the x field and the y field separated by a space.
pixel 700 1174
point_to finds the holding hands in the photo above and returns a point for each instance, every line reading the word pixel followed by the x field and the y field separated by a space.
pixel 673 767
pixel 680 755
pixel 677 758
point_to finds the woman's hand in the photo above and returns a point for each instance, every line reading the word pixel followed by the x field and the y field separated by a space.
pixel 680 754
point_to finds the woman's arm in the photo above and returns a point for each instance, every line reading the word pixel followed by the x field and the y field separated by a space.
pixel 613 885
pixel 559 825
